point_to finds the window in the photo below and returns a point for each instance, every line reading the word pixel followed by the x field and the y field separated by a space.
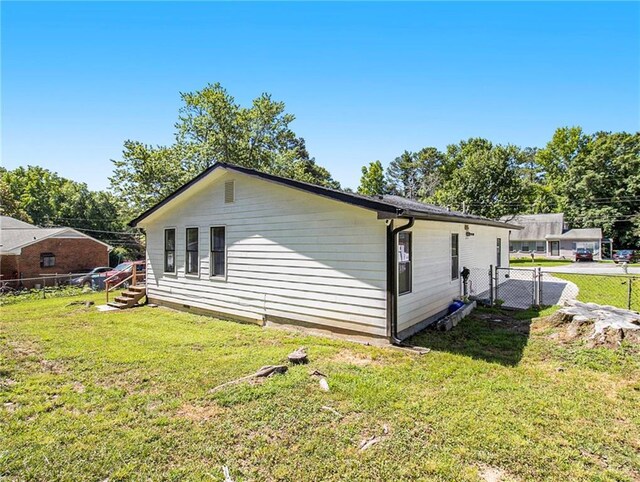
pixel 169 250
pixel 540 247
pixel 498 252
pixel 404 262
pixel 191 265
pixel 525 247
pixel 218 245
pixel 47 260
pixel 455 266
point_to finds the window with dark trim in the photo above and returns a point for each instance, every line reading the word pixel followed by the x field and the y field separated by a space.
pixel 170 250
pixel 218 246
pixel 455 261
pixel 404 262
pixel 498 252
pixel 47 260
pixel 192 261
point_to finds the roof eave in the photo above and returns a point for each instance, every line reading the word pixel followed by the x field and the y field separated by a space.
pixel 459 219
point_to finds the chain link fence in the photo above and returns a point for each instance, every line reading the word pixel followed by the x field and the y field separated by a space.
pixel 522 288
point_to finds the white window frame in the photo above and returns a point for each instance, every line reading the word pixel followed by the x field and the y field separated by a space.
pixel 451 278
pixel 410 265
pixel 186 256
pixel 212 276
pixel 175 250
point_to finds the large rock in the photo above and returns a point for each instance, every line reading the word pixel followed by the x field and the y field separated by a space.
pixel 599 325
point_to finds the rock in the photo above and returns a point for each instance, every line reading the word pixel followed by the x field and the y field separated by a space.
pixel 324 385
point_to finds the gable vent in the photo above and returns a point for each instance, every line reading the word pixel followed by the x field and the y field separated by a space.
pixel 229 192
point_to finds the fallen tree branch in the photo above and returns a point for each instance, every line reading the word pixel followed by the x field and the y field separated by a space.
pixel 264 372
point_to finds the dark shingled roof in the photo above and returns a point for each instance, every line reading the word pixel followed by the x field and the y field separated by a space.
pixel 387 206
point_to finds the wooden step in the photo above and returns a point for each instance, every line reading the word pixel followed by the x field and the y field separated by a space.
pixel 118 305
pixel 130 294
pixel 138 288
pixel 126 301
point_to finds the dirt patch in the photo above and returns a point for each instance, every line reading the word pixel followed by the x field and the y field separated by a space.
pixel 494 474
pixel 505 322
pixel 24 349
pixel 52 366
pixel 352 358
pixel 198 413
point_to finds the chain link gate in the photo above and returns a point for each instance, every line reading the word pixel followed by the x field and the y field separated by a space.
pixel 522 288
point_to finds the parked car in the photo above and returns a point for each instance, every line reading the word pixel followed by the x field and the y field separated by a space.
pixel 625 256
pixel 123 271
pixel 85 279
pixel 584 254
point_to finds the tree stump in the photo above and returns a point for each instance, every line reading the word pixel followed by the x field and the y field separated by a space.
pixel 298 357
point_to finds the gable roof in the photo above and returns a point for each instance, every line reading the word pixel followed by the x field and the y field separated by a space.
pixel 11 223
pixel 387 206
pixel 15 235
pixel 578 234
pixel 536 226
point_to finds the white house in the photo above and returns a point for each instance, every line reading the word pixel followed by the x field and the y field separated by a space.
pixel 241 244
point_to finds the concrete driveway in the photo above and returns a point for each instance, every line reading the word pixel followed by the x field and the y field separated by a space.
pixel 517 289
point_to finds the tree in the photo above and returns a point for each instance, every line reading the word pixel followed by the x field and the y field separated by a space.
pixel 372 181
pixel 415 175
pixel 39 196
pixel 602 186
pixel 211 128
pixel 481 178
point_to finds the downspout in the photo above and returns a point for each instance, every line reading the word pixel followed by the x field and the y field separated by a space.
pixel 392 280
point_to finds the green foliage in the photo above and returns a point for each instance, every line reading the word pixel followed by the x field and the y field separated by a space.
pixel 482 178
pixel 42 197
pixel 211 128
pixel 415 175
pixel 602 187
pixel 594 179
pixel 372 182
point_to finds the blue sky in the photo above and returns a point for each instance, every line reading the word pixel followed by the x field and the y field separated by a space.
pixel 364 80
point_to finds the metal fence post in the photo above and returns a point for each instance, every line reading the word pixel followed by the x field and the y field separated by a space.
pixel 491 285
pixel 629 290
pixel 44 286
pixel 539 291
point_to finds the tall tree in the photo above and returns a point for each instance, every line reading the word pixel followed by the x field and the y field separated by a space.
pixel 482 178
pixel 372 182
pixel 602 186
pixel 213 127
pixel 415 175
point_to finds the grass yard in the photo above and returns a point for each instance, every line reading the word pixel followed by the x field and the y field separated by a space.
pixel 537 263
pixel 605 290
pixel 126 396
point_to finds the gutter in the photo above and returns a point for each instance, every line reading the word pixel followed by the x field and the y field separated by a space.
pixel 392 280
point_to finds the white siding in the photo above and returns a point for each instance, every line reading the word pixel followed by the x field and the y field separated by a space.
pixel 433 289
pixel 290 254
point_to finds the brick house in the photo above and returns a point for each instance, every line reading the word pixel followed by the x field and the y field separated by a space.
pixel 27 251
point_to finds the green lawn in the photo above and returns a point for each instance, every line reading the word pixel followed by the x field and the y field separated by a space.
pixel 605 290
pixel 539 262
pixel 126 396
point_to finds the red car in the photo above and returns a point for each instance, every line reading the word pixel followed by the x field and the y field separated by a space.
pixel 123 271
pixel 584 254
pixel 624 256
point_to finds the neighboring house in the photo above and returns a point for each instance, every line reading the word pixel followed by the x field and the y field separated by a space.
pixel 27 251
pixel 547 235
pixel 241 244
